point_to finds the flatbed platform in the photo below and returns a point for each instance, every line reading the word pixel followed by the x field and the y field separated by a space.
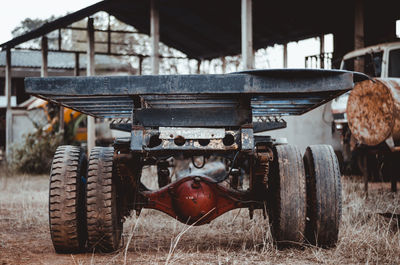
pixel 265 92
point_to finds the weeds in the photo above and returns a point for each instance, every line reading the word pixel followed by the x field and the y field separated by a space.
pixel 155 238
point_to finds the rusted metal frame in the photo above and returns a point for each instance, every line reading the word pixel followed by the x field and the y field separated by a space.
pixel 141 140
pixel 269 125
pixel 263 158
pixel 258 126
pixel 226 199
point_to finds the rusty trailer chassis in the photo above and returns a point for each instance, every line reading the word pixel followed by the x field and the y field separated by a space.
pixel 183 116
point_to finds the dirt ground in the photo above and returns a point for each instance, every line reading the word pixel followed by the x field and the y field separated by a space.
pixel 154 238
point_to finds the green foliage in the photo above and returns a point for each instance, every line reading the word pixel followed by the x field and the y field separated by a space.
pixel 34 156
pixel 29 24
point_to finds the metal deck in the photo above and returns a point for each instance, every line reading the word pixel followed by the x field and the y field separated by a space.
pixel 265 92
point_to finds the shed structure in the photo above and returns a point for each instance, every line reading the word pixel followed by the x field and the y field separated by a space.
pixel 209 29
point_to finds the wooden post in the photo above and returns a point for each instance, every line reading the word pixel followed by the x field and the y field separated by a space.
pixel 155 37
pixel 8 109
pixel 285 58
pixel 359 32
pixel 90 71
pixel 247 35
pixel 322 51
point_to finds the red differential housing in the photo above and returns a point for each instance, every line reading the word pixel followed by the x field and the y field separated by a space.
pixel 195 200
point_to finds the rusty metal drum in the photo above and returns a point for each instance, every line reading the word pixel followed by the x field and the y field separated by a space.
pixel 373 111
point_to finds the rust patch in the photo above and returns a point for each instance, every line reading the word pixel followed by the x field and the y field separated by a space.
pixel 373 111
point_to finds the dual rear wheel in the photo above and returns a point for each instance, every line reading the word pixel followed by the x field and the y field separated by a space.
pixel 83 209
pixel 304 196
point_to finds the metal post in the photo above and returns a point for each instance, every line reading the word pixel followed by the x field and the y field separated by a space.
pixel 155 36
pixel 44 46
pixel 322 51
pixel 109 35
pixel 91 133
pixel 59 40
pixel 285 58
pixel 223 66
pixel 359 32
pixel 77 66
pixel 140 65
pixel 198 70
pixel 247 35
pixel 8 110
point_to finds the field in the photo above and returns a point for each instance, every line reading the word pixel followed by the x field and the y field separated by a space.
pixel 366 236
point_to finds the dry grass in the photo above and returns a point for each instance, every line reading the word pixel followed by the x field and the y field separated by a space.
pixel 154 238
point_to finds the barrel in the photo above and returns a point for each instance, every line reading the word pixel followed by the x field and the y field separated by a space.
pixel 373 111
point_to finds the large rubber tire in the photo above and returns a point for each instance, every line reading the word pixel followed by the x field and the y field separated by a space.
pixel 103 214
pixel 287 196
pixel 324 204
pixel 67 213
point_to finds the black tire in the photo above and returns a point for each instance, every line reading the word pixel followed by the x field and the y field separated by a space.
pixel 67 213
pixel 324 204
pixel 287 196
pixel 103 214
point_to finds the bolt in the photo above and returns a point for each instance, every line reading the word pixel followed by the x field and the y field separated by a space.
pixel 196 183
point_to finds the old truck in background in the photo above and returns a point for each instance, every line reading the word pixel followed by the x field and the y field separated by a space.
pixel 368 117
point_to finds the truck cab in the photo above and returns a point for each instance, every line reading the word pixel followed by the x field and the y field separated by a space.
pixel 378 61
pixel 382 60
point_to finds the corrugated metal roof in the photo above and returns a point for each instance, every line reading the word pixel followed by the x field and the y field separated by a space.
pixel 208 29
pixel 60 60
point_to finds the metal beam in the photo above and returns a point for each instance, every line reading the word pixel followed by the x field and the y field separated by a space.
pixel 155 37
pixel 104 53
pixel 247 35
pixel 8 110
pixel 56 24
pixel 90 71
